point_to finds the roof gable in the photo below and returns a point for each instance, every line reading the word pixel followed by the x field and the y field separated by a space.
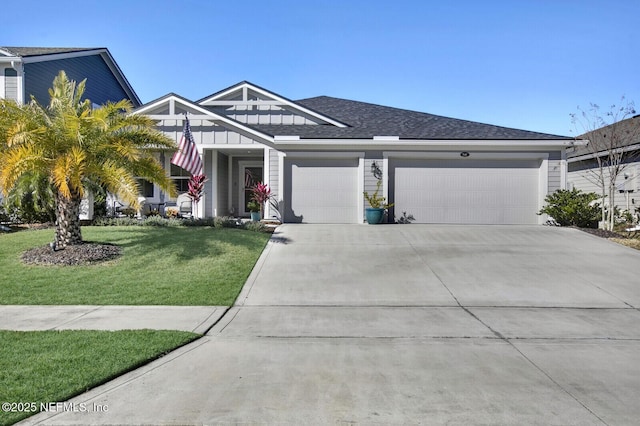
pixel 175 107
pixel 247 96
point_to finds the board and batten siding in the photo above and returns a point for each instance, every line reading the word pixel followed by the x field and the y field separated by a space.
pixel 263 114
pixel 370 181
pixel 204 133
pixel 101 86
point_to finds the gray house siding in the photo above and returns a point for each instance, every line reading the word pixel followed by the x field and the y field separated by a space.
pixel 10 83
pixel 101 86
pixel 628 195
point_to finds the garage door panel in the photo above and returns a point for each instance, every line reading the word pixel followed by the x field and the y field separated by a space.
pixel 467 191
pixel 321 190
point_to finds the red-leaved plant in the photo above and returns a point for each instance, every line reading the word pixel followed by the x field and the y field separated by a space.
pixel 196 187
pixel 261 193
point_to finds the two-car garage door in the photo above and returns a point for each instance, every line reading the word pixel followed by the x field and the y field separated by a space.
pixel 466 191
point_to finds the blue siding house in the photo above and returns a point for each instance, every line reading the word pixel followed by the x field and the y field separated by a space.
pixel 29 71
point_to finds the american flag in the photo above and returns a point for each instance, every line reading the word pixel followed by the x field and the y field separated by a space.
pixel 187 155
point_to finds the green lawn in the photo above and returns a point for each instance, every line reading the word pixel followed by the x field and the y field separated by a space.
pixel 52 366
pixel 159 266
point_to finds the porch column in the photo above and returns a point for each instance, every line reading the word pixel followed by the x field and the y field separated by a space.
pixel 213 177
pixel 266 178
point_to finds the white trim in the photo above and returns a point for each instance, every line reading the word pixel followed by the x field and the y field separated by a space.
pixel 563 170
pixel 63 55
pixel 286 138
pixel 385 177
pixel 461 143
pixel 266 178
pixel 314 154
pixel 448 155
pixel 214 183
pixel 230 183
pixel 360 212
pixel 543 188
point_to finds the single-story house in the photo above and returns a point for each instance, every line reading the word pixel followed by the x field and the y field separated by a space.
pixel 319 155
pixel 583 169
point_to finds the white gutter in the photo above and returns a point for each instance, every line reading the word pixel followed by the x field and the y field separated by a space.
pixel 376 142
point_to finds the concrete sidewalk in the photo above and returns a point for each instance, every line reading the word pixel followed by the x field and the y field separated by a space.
pixel 197 319
pixel 405 324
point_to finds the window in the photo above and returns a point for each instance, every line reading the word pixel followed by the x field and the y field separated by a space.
pixel 145 188
pixel 181 178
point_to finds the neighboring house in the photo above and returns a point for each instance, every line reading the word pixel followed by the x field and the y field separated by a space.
pixel 26 71
pixel 583 164
pixel 318 155
pixel 29 71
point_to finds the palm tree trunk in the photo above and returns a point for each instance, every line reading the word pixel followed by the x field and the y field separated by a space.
pixel 67 221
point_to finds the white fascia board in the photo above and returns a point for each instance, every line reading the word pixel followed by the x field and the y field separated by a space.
pixel 448 155
pixel 206 114
pixel 10 60
pixel 276 97
pixel 469 143
pixel 66 55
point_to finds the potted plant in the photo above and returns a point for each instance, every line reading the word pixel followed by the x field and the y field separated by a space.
pixel 254 207
pixel 260 194
pixel 375 213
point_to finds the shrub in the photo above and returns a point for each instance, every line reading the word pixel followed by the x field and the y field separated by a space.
pixel 573 208
pixel 115 221
pixel 161 221
pixel 254 226
pixel 225 222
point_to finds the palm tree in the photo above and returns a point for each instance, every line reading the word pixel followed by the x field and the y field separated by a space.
pixel 76 145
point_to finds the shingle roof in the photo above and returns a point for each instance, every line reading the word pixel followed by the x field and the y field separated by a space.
pixel 39 51
pixel 627 131
pixel 368 120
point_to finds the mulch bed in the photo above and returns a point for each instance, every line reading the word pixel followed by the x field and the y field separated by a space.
pixel 83 254
pixel 603 233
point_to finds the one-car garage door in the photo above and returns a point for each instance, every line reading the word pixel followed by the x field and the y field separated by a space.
pixel 466 191
pixel 321 190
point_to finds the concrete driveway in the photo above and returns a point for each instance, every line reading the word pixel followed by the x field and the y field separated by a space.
pixel 398 324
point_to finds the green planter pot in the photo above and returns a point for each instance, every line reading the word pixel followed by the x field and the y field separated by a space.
pixel 255 216
pixel 374 216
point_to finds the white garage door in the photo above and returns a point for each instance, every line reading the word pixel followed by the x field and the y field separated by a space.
pixel 321 190
pixel 466 191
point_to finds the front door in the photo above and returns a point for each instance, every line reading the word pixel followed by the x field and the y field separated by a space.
pixel 250 174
